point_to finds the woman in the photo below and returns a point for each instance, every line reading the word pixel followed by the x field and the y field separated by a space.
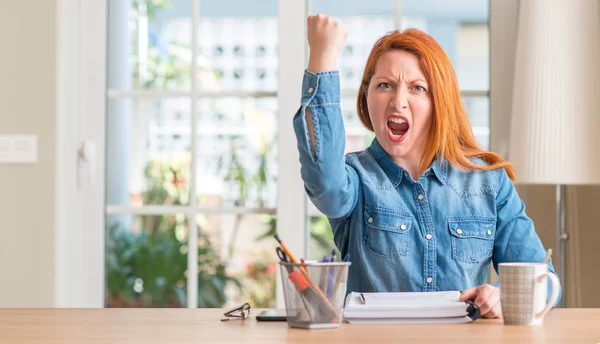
pixel 423 208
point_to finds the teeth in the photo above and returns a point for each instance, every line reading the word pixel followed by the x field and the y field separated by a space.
pixel 397 120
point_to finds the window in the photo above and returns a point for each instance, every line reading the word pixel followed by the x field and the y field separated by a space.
pixel 195 127
pixel 191 153
pixel 462 29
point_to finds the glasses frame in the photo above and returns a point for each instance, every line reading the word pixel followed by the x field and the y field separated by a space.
pixel 239 312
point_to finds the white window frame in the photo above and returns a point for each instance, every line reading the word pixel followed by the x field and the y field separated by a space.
pixel 81 112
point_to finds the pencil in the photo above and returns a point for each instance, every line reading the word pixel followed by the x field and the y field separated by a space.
pixel 312 284
pixel 338 280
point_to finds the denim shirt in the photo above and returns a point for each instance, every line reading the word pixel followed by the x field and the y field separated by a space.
pixel 440 232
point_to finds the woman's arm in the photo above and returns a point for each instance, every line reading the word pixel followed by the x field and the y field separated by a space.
pixel 516 239
pixel 329 182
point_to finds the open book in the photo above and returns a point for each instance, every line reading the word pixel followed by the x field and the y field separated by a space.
pixel 415 307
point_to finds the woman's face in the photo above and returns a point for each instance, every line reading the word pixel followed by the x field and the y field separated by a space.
pixel 400 108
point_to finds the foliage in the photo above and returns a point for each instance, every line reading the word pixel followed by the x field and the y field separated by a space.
pixel 259 276
pixel 246 187
pixel 166 64
pixel 258 279
pixel 148 269
pixel 321 237
pixel 152 6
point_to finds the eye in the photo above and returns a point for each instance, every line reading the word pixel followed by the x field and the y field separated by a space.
pixel 419 89
pixel 384 86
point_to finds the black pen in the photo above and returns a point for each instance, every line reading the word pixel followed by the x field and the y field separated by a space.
pixel 362 299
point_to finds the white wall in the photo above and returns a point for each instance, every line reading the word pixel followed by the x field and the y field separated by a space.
pixel 27 105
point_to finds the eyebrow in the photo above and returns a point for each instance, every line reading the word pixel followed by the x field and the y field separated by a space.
pixel 391 79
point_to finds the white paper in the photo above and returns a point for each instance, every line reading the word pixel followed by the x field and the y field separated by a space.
pixel 452 320
pixel 415 307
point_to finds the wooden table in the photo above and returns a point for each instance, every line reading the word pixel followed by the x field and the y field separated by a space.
pixel 203 326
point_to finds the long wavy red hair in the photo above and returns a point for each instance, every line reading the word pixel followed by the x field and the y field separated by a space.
pixel 450 135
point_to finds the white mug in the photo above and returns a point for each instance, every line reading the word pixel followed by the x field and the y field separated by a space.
pixel 523 292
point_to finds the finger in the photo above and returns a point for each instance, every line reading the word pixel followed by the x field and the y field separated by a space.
pixel 483 295
pixel 468 294
pixel 499 309
pixel 487 302
pixel 495 311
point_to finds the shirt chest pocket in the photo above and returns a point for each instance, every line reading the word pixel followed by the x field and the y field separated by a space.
pixel 472 238
pixel 387 233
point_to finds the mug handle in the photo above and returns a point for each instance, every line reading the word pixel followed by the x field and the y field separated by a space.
pixel 553 297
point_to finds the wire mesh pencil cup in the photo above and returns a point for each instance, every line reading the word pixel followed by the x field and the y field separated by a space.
pixel 314 293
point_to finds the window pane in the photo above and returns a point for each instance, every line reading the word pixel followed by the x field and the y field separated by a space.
pixel 149 44
pixel 321 238
pixel 148 152
pixel 238 46
pixel 237 161
pixel 473 67
pixel 357 136
pixel 244 244
pixel 462 29
pixel 146 261
pixel 365 22
pixel 478 109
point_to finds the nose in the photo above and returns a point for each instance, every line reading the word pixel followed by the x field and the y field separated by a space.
pixel 399 100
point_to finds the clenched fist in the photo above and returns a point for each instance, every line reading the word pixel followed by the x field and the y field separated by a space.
pixel 326 36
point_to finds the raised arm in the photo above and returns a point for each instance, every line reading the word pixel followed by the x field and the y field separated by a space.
pixel 329 182
pixel 326 36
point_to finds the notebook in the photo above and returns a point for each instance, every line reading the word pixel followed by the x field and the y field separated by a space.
pixel 411 308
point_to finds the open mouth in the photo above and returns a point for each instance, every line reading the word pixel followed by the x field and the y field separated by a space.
pixel 397 128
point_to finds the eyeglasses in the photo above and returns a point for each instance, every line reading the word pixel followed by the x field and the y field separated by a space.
pixel 239 312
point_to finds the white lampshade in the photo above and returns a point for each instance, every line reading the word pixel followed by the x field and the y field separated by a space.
pixel 555 125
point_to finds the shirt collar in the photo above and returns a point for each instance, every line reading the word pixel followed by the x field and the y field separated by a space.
pixel 396 172
pixel 440 169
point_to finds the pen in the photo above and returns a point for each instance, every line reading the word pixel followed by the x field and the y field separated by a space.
pixel 331 276
pixel 341 272
pixel 323 278
pixel 362 299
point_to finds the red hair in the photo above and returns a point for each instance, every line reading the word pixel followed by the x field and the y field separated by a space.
pixel 450 135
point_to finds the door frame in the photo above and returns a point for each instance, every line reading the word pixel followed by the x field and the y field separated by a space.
pixel 80 113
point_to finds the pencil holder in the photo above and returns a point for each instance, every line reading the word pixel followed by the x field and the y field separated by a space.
pixel 314 293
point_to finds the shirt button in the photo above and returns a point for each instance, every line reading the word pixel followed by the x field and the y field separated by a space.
pixel 428 236
pixel 370 220
pixel 459 231
pixel 489 232
pixel 310 90
pixel 403 227
pixel 429 280
pixel 420 197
